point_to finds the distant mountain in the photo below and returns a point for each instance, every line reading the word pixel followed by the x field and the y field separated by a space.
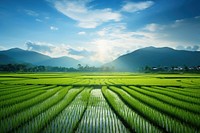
pixel 25 55
pixel 61 61
pixel 4 59
pixel 151 56
pixel 16 56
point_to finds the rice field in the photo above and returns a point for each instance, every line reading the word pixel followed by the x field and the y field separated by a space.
pixel 99 103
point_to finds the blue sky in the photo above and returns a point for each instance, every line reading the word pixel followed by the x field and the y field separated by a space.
pixel 98 31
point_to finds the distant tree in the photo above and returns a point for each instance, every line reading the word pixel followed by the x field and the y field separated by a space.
pixel 80 67
pixel 147 68
pixel 186 68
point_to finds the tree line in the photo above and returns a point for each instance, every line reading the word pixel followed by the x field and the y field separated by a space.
pixel 191 69
pixel 31 68
pixel 87 68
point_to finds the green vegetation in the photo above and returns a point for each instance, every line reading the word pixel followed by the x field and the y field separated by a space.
pixel 99 102
pixel 98 116
pixel 68 119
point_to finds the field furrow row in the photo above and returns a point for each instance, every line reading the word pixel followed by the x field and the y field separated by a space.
pixel 159 119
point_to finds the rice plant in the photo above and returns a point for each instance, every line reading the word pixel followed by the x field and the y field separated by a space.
pixel 99 117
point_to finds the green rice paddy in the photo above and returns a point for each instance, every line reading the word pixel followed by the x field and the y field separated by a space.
pixel 99 103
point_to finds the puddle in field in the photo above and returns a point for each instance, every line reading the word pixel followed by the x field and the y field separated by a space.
pixel 98 116
pixel 96 93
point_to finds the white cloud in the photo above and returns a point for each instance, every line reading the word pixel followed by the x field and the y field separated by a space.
pixel 153 27
pixel 81 33
pixel 190 48
pixel 137 6
pixel 38 20
pixel 86 16
pixel 31 13
pixel 58 50
pixel 2 47
pixel 53 28
pixel 179 20
pixel 39 46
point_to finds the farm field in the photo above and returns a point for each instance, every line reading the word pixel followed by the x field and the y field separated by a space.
pixel 99 103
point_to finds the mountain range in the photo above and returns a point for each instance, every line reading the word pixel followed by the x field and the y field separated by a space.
pixel 16 55
pixel 155 57
pixel 149 56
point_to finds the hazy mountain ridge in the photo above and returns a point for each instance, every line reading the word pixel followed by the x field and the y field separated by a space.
pixel 4 59
pixel 151 56
pixel 62 61
pixel 17 55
